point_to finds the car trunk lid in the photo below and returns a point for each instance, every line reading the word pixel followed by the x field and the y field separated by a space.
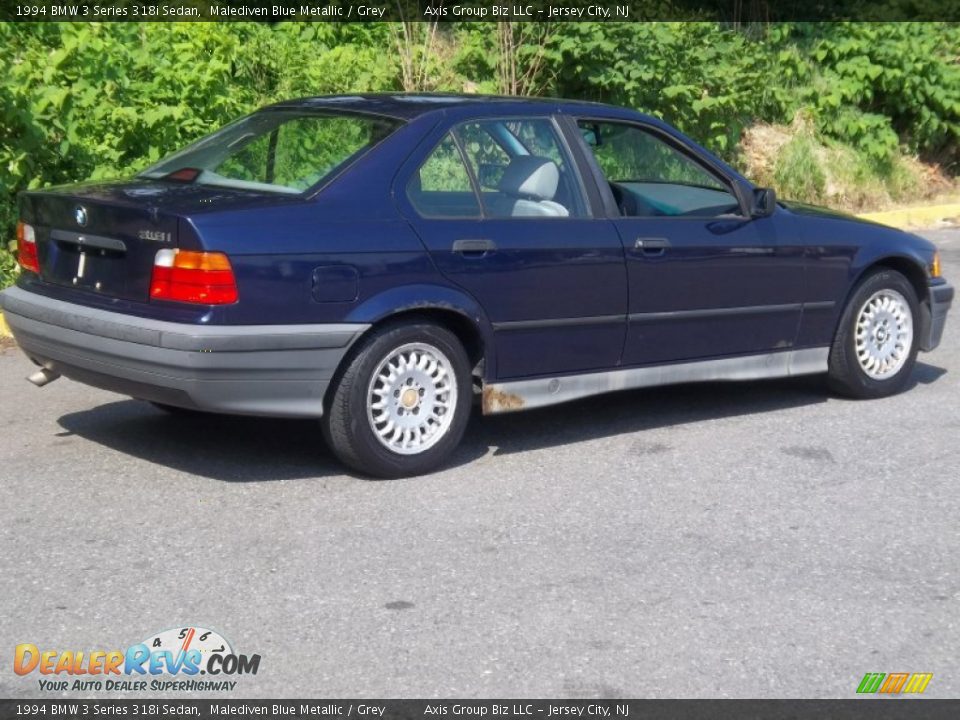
pixel 104 238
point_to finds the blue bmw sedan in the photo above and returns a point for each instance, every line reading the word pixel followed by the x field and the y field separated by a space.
pixel 379 261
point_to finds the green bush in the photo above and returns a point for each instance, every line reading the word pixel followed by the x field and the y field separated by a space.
pixel 84 100
pixel 93 101
pixel 797 173
pixel 881 85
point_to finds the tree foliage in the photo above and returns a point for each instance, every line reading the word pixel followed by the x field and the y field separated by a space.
pixel 86 100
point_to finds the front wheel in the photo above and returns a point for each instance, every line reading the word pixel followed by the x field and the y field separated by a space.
pixel 875 347
pixel 402 403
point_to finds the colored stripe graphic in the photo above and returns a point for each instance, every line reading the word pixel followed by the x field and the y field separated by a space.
pixel 894 682
pixel 918 682
pixel 871 682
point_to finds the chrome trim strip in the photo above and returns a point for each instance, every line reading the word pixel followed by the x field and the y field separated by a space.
pixel 86 240
pixel 539 392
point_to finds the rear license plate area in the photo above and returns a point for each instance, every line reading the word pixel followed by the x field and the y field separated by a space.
pixel 91 268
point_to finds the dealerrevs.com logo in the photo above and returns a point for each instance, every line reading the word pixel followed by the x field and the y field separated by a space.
pixel 172 660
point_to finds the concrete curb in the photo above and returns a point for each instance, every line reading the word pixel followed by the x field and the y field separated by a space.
pixel 916 217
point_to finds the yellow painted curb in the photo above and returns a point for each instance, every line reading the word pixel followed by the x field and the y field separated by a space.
pixel 4 328
pixel 916 216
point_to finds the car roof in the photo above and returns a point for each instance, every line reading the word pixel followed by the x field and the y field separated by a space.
pixel 459 107
pixel 407 106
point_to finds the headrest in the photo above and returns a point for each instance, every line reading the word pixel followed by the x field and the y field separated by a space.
pixel 531 177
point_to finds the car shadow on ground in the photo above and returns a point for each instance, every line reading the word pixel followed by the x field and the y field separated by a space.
pixel 244 449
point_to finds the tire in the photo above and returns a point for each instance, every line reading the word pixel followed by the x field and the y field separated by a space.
pixel 390 378
pixel 875 347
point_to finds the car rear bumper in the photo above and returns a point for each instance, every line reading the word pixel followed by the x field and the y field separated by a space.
pixel 941 297
pixel 272 370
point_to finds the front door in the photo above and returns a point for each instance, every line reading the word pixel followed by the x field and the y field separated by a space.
pixel 501 209
pixel 705 280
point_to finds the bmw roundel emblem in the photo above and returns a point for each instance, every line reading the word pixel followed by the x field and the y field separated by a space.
pixel 80 215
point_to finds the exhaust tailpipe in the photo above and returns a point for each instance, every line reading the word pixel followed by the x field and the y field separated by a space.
pixel 43 376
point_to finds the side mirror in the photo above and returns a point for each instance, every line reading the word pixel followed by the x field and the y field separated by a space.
pixel 764 202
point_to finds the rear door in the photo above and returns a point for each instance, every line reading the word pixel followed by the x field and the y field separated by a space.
pixel 705 279
pixel 501 208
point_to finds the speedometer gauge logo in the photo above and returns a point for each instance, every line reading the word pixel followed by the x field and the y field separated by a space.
pixel 182 640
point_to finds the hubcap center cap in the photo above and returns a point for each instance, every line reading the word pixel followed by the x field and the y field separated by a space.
pixel 409 398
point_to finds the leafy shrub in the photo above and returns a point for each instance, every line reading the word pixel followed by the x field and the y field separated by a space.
pixel 91 101
pixel 797 173
pixel 8 268
pixel 707 81
pixel 880 87
pixel 87 100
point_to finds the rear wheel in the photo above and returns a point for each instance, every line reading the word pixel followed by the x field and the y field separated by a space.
pixel 401 405
pixel 875 347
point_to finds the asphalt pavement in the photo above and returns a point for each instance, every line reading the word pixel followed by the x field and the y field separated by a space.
pixel 721 540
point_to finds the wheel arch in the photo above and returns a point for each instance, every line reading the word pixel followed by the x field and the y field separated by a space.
pixel 456 322
pixel 910 267
pixel 448 307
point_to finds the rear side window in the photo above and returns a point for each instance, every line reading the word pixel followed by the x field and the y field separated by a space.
pixel 518 166
pixel 442 187
pixel 278 151
pixel 522 168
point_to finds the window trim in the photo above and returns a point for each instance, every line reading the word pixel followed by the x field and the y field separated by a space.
pixel 585 162
pixel 448 133
pixel 609 202
pixel 312 191
pixel 573 161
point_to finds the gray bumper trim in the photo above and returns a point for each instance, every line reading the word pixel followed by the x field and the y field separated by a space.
pixel 941 298
pixel 274 370
pixel 176 336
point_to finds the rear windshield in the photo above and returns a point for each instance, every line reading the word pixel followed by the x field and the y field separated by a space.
pixel 276 150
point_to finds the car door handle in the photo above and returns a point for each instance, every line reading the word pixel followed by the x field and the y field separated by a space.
pixel 651 245
pixel 474 247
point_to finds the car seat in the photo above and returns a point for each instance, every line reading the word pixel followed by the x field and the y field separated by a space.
pixel 530 182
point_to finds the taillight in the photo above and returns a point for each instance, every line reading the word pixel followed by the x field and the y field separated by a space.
pixel 205 278
pixel 27 248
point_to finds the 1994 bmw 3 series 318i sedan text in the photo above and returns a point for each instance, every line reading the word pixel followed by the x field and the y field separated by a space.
pixel 376 261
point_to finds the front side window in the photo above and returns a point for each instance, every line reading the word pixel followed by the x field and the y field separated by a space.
pixel 650 178
pixel 506 168
pixel 276 150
